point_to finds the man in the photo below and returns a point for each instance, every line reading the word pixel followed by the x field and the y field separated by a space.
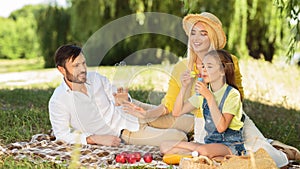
pixel 82 108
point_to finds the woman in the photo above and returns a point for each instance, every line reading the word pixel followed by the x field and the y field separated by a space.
pixel 211 36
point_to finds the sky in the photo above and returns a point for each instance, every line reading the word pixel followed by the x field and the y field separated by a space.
pixel 7 6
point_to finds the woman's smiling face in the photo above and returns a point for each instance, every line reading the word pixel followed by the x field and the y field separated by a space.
pixel 199 39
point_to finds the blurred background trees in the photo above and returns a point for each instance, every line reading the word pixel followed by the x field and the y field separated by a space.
pixel 53 29
pixel 254 28
pixel 18 34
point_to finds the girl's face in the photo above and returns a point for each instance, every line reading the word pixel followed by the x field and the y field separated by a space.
pixel 198 39
pixel 211 69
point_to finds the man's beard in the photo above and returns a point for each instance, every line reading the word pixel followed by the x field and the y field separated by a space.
pixel 70 77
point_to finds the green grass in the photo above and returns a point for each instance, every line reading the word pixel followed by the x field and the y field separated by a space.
pixel 271 100
pixel 18 65
pixel 25 112
pixel 8 162
pixel 275 122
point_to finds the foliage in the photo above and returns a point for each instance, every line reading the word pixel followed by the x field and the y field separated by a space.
pixel 270 36
pixel 239 24
pixel 257 28
pixel 18 38
pixel 6 34
pixel 291 10
pixel 53 28
pixel 254 27
pixel 114 10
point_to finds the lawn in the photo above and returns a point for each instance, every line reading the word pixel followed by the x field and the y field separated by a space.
pixel 271 100
pixel 18 65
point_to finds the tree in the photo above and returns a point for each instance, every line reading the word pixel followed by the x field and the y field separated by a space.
pixel 53 28
pixel 267 31
pixel 253 27
pixel 291 9
pixel 7 39
pixel 18 38
pixel 102 12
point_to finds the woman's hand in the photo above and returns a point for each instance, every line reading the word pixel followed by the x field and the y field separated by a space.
pixel 186 78
pixel 134 110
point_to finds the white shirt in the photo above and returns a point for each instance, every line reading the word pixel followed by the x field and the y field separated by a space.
pixel 94 113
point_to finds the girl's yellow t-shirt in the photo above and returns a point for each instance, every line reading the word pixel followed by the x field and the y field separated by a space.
pixel 232 105
pixel 175 84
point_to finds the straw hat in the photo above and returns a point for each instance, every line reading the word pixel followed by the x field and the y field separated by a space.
pixel 191 19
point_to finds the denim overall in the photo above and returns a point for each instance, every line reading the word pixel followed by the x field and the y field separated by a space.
pixel 231 138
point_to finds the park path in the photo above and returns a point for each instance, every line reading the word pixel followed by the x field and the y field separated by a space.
pixel 29 77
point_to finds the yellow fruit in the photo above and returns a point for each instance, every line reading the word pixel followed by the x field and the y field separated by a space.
pixel 174 158
pixel 193 74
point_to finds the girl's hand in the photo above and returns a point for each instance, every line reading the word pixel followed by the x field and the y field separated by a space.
pixel 201 88
pixel 186 78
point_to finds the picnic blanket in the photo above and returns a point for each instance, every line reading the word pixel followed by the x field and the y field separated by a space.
pixel 44 147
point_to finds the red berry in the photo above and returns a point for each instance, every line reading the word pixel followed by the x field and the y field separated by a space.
pixel 148 158
pixel 131 158
pixel 120 158
pixel 137 156
pixel 125 154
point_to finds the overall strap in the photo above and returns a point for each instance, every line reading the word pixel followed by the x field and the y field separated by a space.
pixel 224 97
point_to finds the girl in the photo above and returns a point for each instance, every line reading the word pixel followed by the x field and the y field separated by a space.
pixel 221 106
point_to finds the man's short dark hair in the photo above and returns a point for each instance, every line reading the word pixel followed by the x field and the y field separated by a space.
pixel 65 53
